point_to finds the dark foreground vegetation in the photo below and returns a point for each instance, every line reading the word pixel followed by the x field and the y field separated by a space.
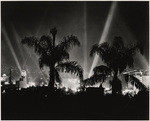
pixel 38 103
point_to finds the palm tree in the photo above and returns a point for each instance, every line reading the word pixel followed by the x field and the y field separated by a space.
pixel 56 57
pixel 136 82
pixel 117 57
pixel 100 74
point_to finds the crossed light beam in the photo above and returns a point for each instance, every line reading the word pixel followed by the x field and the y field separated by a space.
pixel 11 48
pixel 85 40
pixel 104 33
pixel 17 37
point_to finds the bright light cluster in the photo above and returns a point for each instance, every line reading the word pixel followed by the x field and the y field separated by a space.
pixel 31 84
pixel 71 83
pixel 130 92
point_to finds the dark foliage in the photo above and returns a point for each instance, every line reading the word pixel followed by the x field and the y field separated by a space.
pixel 116 56
pixel 56 57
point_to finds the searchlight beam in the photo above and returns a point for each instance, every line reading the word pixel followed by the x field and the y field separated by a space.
pixel 104 33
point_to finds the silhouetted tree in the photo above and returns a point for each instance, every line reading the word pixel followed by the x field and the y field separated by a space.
pixel 100 74
pixel 134 81
pixel 117 57
pixel 56 57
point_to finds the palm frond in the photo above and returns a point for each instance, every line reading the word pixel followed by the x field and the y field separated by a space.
pixel 68 42
pixel 44 46
pixel 95 48
pixel 89 82
pixel 45 43
pixel 45 60
pixel 126 57
pixel 60 54
pixel 95 79
pixel 30 41
pixel 102 49
pixel 105 53
pixel 72 67
pixel 131 49
pixel 118 42
pixel 41 46
pixel 138 83
pixel 57 76
pixel 116 56
pixel 102 70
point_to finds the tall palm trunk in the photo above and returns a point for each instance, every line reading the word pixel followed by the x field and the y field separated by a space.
pixel 52 65
pixel 82 85
pixel 114 91
pixel 101 89
pixel 52 77
pixel 116 84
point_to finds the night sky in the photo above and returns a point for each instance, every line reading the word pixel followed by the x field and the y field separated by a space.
pixel 20 19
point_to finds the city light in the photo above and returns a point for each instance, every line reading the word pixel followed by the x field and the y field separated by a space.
pixel 31 84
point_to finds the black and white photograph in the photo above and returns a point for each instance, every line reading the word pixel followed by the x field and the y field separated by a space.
pixel 75 60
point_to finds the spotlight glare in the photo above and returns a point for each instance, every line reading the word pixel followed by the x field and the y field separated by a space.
pixel 85 40
pixel 17 37
pixel 11 48
pixel 105 33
